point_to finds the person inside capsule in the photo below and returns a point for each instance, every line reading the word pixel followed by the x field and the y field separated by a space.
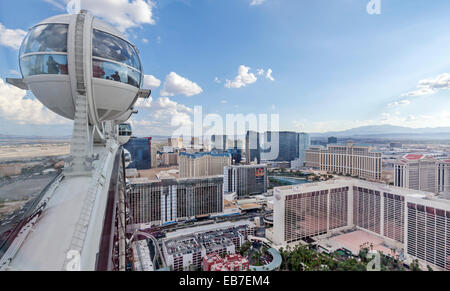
pixel 44 51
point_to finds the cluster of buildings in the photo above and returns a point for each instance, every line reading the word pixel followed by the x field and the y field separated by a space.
pixel 282 146
pixel 417 221
pixel 187 252
pixel 422 172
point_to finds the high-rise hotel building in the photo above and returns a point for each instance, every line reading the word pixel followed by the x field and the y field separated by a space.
pixel 203 164
pixel 355 160
pixel 415 219
pixel 245 180
pixel 416 172
pixel 443 176
pixel 422 172
pixel 173 200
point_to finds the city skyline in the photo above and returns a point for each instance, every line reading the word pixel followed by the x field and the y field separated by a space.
pixel 260 57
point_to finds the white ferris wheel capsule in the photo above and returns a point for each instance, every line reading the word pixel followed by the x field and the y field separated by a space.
pixel 66 53
pixel 85 70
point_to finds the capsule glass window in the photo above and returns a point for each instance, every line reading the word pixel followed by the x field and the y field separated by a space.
pixel 44 65
pixel 116 72
pixel 46 38
pixel 109 47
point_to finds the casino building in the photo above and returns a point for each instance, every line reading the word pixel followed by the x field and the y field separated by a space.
pixel 173 200
pixel 245 180
pixel 417 220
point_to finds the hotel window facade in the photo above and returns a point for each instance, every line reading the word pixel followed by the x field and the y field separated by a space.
pixel 355 160
pixel 172 200
pixel 416 220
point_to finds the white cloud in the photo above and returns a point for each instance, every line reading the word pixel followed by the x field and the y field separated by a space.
pixel 224 101
pixel 177 85
pixel 243 78
pixel 143 103
pixel 165 116
pixel 15 107
pixel 430 86
pixel 256 2
pixel 440 82
pixel 11 37
pixel 217 80
pixel 56 3
pixel 151 82
pixel 144 40
pixel 269 75
pixel 14 72
pixel 124 14
pixel 260 72
pixel 419 92
pixel 399 103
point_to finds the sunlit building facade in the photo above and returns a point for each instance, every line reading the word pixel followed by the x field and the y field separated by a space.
pixel 349 159
pixel 443 176
pixel 173 200
pixel 417 172
pixel 203 164
pixel 417 220
pixel 245 180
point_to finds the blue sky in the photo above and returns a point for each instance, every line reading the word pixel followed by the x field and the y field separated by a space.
pixel 333 65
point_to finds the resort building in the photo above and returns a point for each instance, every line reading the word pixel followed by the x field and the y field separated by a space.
pixel 416 220
pixel 349 159
pixel 422 172
pixel 173 200
pixel 245 180
pixel 203 164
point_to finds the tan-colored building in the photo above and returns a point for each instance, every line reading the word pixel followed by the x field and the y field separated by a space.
pixel 422 172
pixel 417 222
pixel 11 169
pixel 203 164
pixel 154 159
pixel 350 159
pixel 171 200
pixel 416 172
pixel 176 142
pixel 443 176
pixel 169 159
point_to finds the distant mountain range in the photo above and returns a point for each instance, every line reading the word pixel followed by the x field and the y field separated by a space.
pixel 389 131
pixel 363 132
pixel 32 137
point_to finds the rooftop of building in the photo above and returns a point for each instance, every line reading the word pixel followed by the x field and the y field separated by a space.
pixel 184 181
pixel 216 239
pixel 248 166
pixel 350 182
pixel 182 245
pixel 209 227
pixel 210 239
pixel 142 259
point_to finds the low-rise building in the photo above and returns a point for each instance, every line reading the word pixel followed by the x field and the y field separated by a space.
pixel 186 252
pixel 234 262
